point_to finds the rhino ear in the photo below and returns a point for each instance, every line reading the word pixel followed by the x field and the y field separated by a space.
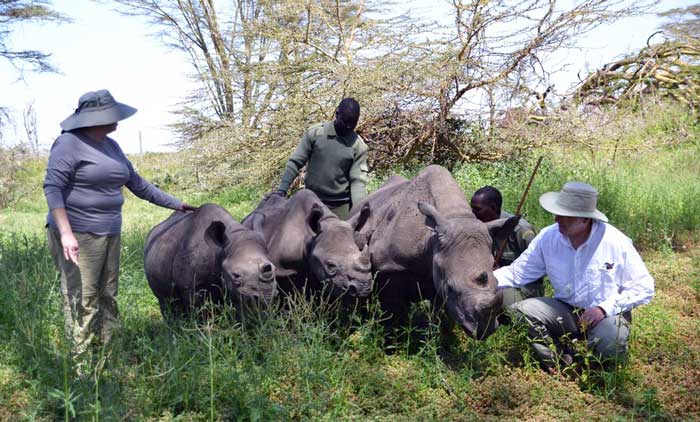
pixel 314 218
pixel 501 228
pixel 359 222
pixel 215 235
pixel 434 218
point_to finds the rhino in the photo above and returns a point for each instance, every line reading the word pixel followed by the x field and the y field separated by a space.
pixel 311 247
pixel 425 243
pixel 204 255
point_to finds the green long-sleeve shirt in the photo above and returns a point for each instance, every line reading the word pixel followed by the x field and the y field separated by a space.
pixel 336 165
pixel 517 242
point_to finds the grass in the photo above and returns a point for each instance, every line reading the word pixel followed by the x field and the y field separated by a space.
pixel 303 365
pixel 652 198
pixel 309 361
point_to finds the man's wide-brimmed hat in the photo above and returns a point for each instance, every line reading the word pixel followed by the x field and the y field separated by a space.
pixel 96 109
pixel 575 199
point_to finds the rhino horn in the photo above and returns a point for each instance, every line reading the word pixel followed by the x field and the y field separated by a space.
pixel 364 256
pixel 361 240
pixel 359 222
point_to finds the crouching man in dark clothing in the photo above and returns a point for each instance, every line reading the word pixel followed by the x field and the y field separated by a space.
pixel 486 205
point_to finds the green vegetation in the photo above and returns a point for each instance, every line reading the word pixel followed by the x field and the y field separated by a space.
pixel 648 196
pixel 312 362
pixel 306 364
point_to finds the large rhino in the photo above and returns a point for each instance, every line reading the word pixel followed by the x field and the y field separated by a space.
pixel 205 254
pixel 311 246
pixel 425 243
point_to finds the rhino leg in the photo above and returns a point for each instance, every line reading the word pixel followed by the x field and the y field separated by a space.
pixel 404 323
pixel 171 309
pixel 394 304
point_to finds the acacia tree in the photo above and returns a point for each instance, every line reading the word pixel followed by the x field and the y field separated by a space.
pixel 269 68
pixel 21 11
pixel 14 12
pixel 494 49
pixel 213 47
pixel 252 55
pixel 497 44
pixel 668 66
pixel 684 24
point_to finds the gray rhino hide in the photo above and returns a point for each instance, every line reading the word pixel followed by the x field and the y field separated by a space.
pixel 206 254
pixel 410 261
pixel 310 245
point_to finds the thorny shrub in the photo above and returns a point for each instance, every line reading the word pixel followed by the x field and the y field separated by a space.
pixel 11 163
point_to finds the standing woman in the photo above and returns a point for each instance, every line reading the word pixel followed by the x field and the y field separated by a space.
pixel 83 188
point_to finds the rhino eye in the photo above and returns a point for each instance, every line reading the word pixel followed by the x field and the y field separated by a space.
pixel 331 267
pixel 482 279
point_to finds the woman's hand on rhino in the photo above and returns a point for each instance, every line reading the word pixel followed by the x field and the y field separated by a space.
pixel 187 207
pixel 279 192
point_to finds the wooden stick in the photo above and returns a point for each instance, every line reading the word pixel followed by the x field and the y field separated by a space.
pixel 502 245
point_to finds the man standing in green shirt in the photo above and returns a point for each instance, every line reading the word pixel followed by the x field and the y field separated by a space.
pixel 336 160
pixel 486 206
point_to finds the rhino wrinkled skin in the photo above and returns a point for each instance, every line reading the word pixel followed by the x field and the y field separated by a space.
pixel 205 254
pixel 310 246
pixel 425 243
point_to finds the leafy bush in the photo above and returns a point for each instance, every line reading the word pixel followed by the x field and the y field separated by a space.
pixel 642 162
pixel 608 133
pixel 165 171
pixel 12 161
pixel 225 157
pixel 646 197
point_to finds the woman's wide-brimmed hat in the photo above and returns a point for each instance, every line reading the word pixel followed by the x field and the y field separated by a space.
pixel 575 199
pixel 96 109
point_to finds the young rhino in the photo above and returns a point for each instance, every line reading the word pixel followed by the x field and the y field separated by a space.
pixel 205 254
pixel 425 243
pixel 311 246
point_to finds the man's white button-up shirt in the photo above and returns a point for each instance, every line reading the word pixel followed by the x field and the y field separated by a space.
pixel 605 271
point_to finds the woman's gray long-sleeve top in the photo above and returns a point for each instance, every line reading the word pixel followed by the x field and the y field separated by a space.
pixel 85 177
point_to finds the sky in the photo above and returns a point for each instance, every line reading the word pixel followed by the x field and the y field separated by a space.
pixel 101 49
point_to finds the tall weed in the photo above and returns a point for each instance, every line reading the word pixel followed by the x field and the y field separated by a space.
pixel 652 198
pixel 311 360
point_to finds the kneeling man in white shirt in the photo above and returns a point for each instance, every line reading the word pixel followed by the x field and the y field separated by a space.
pixel 597 276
